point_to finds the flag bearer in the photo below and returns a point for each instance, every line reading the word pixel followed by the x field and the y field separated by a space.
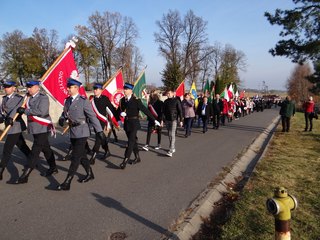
pixel 77 110
pixel 39 125
pixel 10 102
pixel 130 107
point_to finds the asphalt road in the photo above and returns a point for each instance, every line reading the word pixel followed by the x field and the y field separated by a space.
pixel 140 202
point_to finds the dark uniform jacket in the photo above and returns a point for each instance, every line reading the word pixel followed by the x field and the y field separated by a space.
pixel 158 107
pixel 9 109
pixel 77 113
pixel 132 108
pixel 102 102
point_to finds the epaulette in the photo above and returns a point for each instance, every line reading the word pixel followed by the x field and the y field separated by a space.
pixel 84 98
pixel 17 95
pixel 42 94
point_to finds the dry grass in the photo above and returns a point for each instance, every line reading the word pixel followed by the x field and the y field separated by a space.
pixel 292 161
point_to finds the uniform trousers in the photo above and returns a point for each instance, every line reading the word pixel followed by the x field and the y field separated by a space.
pixel 41 144
pixel 78 155
pixel 151 128
pixel 131 129
pixel 13 139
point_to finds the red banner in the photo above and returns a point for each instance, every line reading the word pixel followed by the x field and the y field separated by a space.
pixel 55 80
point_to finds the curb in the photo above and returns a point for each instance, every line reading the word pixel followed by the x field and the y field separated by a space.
pixel 204 204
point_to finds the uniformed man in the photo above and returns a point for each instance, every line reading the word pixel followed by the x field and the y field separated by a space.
pixel 77 110
pixel 39 125
pixel 101 106
pixel 10 102
pixel 130 107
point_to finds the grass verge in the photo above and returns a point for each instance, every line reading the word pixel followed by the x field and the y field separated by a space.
pixel 293 161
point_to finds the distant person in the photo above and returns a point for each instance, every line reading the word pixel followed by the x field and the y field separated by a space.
pixel 188 113
pixel 217 106
pixel 287 110
pixel 204 111
pixel 155 106
pixel 308 108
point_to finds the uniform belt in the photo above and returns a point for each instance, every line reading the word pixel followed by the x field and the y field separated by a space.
pixel 75 124
pixel 129 118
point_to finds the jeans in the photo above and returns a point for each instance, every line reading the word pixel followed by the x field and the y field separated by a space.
pixel 171 127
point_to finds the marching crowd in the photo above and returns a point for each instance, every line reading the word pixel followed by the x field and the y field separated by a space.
pixel 80 115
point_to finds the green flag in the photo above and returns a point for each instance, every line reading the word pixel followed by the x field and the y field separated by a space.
pixel 207 91
pixel 139 89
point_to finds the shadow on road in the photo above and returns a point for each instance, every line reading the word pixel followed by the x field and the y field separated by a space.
pixel 245 128
pixel 112 203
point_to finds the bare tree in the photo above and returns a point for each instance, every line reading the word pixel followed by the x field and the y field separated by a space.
pixel 111 35
pixel 183 43
pixel 298 85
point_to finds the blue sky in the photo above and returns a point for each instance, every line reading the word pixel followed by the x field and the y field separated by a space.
pixel 235 22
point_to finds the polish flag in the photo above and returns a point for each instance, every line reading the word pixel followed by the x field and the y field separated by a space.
pixel 113 88
pixel 180 90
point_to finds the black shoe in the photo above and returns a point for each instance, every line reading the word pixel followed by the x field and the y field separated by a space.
pixel 88 177
pixel 1 172
pixel 137 159
pixel 66 157
pixel 49 172
pixel 66 184
pixel 25 175
pixel 93 158
pixel 124 163
pixel 106 154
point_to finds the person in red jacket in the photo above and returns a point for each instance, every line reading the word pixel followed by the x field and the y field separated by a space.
pixel 308 108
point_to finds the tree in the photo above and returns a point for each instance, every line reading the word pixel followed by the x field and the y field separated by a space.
pixel 113 37
pixel 315 78
pixel 231 62
pixel 48 45
pixel 298 85
pixel 182 42
pixel 87 59
pixel 13 55
pixel 300 29
pixel 172 75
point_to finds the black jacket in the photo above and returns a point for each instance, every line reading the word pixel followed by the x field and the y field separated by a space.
pixel 217 107
pixel 158 107
pixel 208 110
pixel 172 109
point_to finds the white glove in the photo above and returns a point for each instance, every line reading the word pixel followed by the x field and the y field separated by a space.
pixel 123 114
pixel 157 123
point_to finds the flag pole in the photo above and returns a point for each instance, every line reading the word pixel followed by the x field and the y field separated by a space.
pixel 112 77
pixel 55 63
pixel 142 72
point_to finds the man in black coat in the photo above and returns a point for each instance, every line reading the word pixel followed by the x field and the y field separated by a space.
pixel 204 111
pixel 130 107
pixel 217 106
pixel 102 107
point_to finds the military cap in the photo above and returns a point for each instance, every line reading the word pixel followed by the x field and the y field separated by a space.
pixel 9 84
pixel 128 86
pixel 72 82
pixel 97 85
pixel 32 83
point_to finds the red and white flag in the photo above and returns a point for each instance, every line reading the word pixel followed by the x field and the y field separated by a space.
pixel 55 79
pixel 113 88
pixel 180 90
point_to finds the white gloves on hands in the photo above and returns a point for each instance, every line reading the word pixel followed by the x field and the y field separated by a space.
pixel 123 114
